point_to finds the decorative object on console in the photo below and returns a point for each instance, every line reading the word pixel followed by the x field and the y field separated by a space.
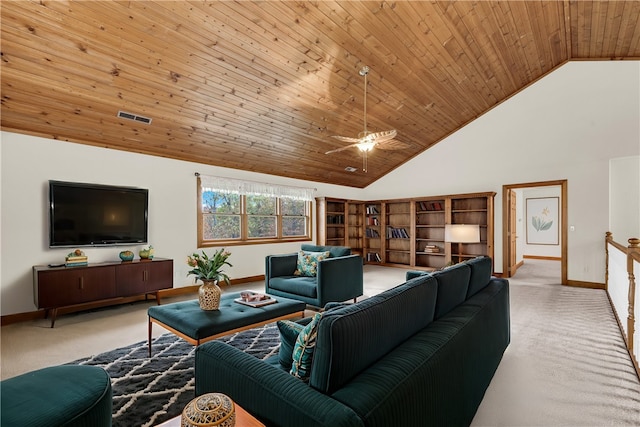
pixel 461 233
pixel 76 258
pixel 209 271
pixel 210 409
pixel 146 253
pixel 126 256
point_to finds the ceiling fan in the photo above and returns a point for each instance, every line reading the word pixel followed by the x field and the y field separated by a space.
pixel 367 140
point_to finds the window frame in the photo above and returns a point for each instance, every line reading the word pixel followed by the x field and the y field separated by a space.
pixel 244 225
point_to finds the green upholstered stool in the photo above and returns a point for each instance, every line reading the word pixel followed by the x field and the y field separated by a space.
pixel 68 395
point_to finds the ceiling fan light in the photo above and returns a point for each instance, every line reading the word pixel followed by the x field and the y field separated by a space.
pixel 366 145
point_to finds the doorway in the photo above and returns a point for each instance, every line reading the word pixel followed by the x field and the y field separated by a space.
pixel 510 225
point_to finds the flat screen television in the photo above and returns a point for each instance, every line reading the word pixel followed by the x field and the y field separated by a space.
pixel 96 215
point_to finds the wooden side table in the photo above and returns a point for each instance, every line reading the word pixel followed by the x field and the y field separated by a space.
pixel 243 419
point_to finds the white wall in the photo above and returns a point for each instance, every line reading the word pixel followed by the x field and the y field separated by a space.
pixel 565 126
pixel 624 202
pixel 28 163
pixel 553 251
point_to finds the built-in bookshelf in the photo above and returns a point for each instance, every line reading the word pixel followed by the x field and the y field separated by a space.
pixel 473 210
pixel 331 221
pixel 430 247
pixel 407 232
pixel 373 234
pixel 355 229
pixel 398 226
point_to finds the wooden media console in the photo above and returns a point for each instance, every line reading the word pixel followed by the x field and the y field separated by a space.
pixel 55 287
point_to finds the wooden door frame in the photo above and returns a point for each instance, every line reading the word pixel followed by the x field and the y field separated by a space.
pixel 562 183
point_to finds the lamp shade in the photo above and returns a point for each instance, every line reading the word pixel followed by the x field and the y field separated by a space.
pixel 462 233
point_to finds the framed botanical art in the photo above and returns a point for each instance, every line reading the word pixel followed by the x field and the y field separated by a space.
pixel 542 221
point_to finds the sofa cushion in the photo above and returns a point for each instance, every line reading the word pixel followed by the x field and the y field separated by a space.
pixel 412 274
pixel 481 269
pixel 289 332
pixel 335 305
pixel 452 287
pixel 335 251
pixel 353 337
pixel 304 349
pixel 308 263
pixel 297 285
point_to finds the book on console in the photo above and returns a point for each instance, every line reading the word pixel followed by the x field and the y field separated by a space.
pixel 255 299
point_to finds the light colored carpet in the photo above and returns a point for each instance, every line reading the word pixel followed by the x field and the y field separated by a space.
pixel 567 364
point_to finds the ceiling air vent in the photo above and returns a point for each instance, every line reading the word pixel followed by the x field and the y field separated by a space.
pixel 134 117
pixel 350 169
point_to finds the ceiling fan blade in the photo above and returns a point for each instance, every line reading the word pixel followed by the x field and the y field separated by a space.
pixel 393 144
pixel 383 136
pixel 341 149
pixel 346 139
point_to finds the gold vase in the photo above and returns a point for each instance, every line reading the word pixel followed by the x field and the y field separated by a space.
pixel 209 295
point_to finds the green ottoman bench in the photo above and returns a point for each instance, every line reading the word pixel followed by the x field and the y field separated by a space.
pixel 196 326
pixel 68 395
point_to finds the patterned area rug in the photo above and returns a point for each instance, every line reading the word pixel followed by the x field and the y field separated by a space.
pixel 148 391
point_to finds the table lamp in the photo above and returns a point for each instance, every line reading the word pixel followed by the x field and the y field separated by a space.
pixel 461 233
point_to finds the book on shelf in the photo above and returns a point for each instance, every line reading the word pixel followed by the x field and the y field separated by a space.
pixel 430 206
pixel 372 233
pixel 434 249
pixel 373 257
pixel 372 220
pixel 255 299
pixel 335 219
pixel 397 233
pixel 372 209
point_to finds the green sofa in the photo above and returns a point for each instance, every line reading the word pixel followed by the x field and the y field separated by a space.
pixel 420 354
pixel 339 277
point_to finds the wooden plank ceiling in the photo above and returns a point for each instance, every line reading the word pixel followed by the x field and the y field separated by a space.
pixel 262 86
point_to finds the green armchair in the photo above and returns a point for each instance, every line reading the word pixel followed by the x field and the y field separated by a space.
pixel 339 277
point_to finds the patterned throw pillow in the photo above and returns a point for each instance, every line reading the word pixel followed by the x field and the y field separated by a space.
pixel 289 332
pixel 308 263
pixel 303 350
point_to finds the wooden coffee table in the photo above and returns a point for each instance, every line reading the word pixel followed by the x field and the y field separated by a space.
pixel 196 326
pixel 243 419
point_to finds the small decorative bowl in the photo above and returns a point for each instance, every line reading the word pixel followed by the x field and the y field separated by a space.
pixel 126 255
pixel 146 253
pixel 211 409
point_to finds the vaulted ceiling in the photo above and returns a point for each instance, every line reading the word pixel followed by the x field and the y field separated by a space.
pixel 263 86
